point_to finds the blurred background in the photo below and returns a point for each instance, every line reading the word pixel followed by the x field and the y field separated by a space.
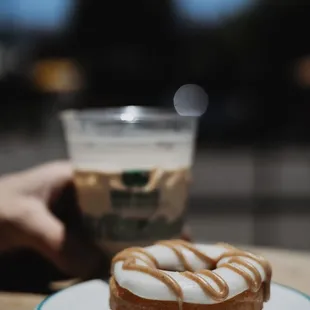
pixel 252 167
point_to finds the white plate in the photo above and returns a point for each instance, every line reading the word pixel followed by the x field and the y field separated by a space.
pixel 94 295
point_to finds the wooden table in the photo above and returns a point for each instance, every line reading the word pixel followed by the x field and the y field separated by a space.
pixel 291 268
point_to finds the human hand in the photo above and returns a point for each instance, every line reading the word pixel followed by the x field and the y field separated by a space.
pixel 27 222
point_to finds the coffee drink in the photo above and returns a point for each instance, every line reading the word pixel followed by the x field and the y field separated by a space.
pixel 132 174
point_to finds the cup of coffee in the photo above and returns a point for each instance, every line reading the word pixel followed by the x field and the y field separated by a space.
pixel 132 172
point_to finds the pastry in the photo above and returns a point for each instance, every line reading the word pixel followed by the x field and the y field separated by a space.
pixel 176 274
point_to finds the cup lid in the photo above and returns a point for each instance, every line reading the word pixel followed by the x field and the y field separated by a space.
pixel 126 114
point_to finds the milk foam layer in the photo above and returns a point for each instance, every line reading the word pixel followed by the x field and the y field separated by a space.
pixel 117 155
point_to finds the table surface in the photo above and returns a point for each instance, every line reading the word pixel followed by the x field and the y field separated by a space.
pixel 290 268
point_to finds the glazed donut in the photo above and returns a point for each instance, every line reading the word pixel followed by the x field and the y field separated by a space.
pixel 179 274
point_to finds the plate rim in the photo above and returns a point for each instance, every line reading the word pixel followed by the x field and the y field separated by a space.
pixel 45 300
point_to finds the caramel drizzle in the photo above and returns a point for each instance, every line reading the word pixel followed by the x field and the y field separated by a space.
pixel 205 258
pixel 130 264
pixel 235 262
pixel 206 287
pixel 172 245
pixel 260 260
pixel 226 246
pixel 124 257
pixel 130 252
pixel 254 284
pixel 129 258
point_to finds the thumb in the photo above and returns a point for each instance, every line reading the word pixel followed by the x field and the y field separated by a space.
pixel 48 236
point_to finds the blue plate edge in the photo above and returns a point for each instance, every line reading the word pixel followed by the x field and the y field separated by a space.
pixel 41 304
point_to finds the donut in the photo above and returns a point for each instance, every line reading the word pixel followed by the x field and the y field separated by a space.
pixel 176 274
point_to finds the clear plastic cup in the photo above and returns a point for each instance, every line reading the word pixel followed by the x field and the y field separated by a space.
pixel 132 172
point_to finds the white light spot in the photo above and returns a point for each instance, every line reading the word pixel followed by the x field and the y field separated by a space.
pixel 127 117
pixel 190 100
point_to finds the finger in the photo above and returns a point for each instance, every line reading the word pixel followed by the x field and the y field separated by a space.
pixel 47 179
pixel 55 173
pixel 47 235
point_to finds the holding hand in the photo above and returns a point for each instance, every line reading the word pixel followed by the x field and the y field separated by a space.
pixel 27 222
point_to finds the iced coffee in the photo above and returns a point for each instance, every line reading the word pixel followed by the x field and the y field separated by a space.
pixel 132 173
